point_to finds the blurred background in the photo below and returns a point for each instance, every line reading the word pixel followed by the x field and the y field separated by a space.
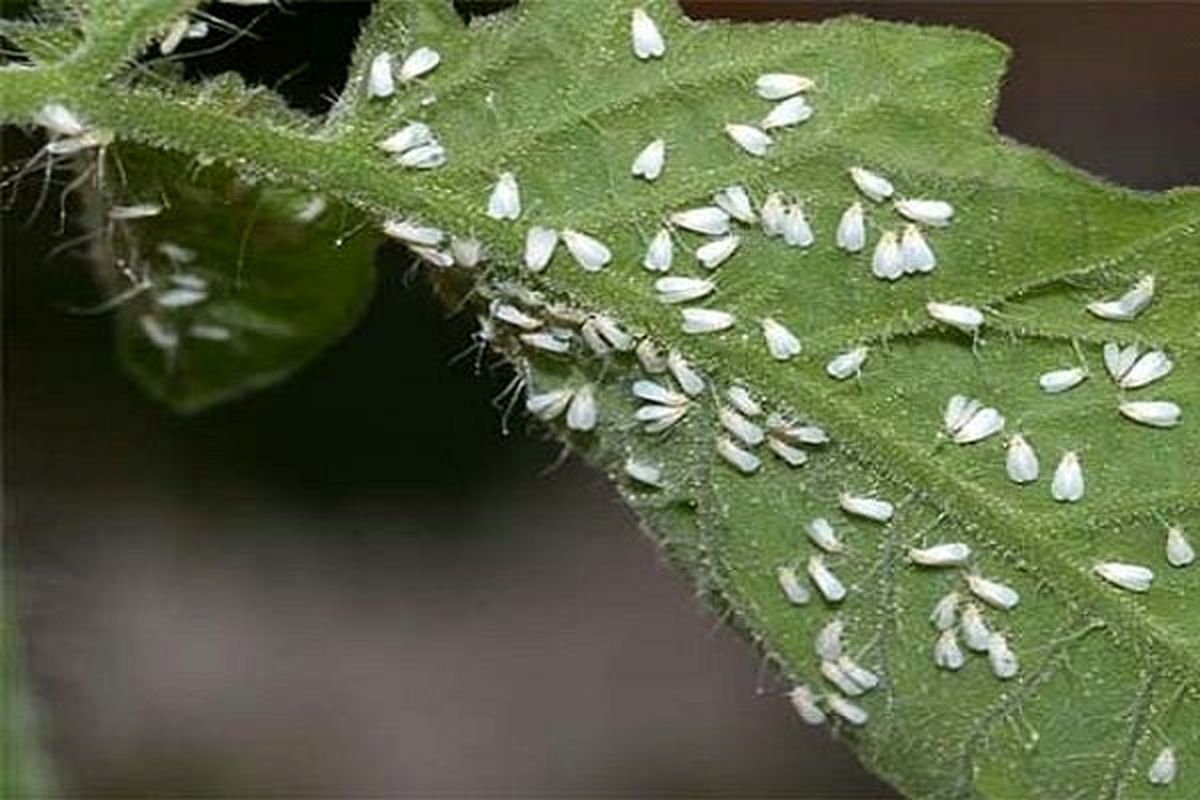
pixel 356 584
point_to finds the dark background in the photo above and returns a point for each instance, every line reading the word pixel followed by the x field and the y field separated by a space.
pixel 356 584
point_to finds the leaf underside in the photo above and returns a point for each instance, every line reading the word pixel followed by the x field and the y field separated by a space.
pixel 552 92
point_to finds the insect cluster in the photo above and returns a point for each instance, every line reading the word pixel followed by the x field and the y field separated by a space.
pixel 669 388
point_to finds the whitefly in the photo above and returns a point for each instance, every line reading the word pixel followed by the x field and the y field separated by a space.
pixel 847 365
pixel 781 342
pixel 708 220
pixel 714 253
pixel 645 36
pixel 828 584
pixel 735 201
pixel 752 140
pixel 660 253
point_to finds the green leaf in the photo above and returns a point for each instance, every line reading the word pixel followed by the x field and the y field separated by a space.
pixel 552 92
pixel 272 287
